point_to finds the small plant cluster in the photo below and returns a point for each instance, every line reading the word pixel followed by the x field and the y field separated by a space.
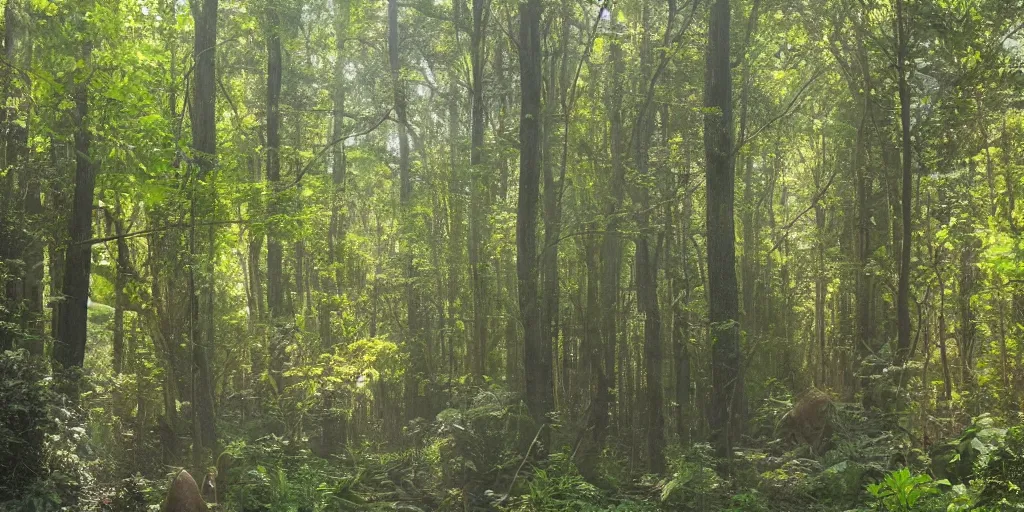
pixel 42 442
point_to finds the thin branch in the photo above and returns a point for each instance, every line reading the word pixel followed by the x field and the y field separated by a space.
pixel 93 241
pixel 335 142
pixel 789 110
pixel 523 463
pixel 814 202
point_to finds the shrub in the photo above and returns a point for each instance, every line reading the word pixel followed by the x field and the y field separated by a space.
pixel 1003 475
pixel 957 460
pixel 694 484
pixel 24 424
pixel 557 488
pixel 901 491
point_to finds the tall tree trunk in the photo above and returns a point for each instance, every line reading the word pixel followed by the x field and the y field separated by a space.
pixel 593 346
pixel 681 320
pixel 455 241
pixel 477 216
pixel 275 250
pixel 536 356
pixel 727 371
pixel 647 299
pixel 7 83
pixel 414 402
pixel 69 346
pixel 968 328
pixel 947 384
pixel 334 427
pixel 647 273
pixel 56 202
pixel 549 296
pixel 31 186
pixel 864 337
pixel 749 259
pixel 274 272
pixel 339 162
pixel 1017 299
pixel 903 292
pixel 120 280
pixel 204 140
pixel 611 247
pixel 820 282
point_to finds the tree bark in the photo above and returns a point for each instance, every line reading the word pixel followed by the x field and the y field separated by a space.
pixel 275 249
pixel 275 273
pixel 611 246
pixel 69 346
pixel 903 292
pixel 477 216
pixel 414 401
pixel 549 297
pixel 536 356
pixel 120 281
pixel 681 320
pixel 204 141
pixel 820 282
pixel 727 371
pixel 748 263
pixel 647 274
pixel 339 167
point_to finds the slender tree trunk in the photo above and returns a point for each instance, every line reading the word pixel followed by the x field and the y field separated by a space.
pixel 204 140
pixel 536 356
pixel 7 84
pixel 647 280
pixel 414 401
pixel 452 276
pixel 681 323
pixel 749 259
pixel 864 337
pixel 903 292
pixel 120 280
pixel 726 414
pixel 275 250
pixel 334 427
pixel 947 384
pixel 477 216
pixel 339 163
pixel 820 282
pixel 1017 299
pixel 968 329
pixel 593 342
pixel 56 202
pixel 611 246
pixel 69 346
pixel 549 296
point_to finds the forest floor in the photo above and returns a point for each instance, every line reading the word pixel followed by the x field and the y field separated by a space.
pixel 811 453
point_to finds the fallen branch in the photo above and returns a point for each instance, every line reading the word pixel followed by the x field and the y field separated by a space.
pixel 521 464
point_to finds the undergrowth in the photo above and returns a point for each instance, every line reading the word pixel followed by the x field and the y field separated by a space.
pixel 478 456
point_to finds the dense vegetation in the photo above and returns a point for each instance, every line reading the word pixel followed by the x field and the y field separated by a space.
pixel 543 255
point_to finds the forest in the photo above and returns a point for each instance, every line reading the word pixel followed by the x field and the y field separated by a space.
pixel 511 255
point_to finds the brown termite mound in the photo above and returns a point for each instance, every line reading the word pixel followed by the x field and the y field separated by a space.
pixel 184 495
pixel 811 421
